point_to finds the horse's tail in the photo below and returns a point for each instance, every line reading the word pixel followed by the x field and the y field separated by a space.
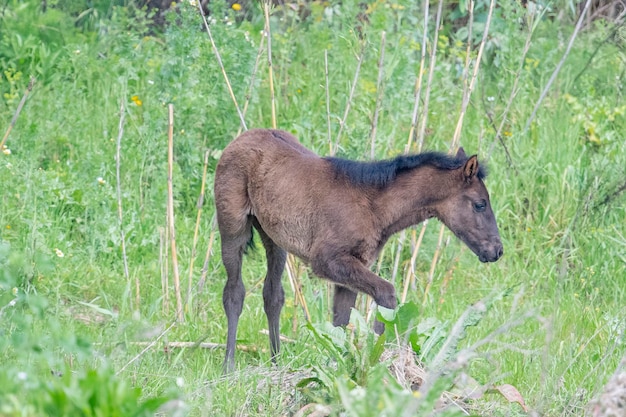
pixel 250 246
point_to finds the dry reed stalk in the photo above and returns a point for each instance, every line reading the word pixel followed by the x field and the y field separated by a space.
pixel 120 221
pixel 379 96
pixel 221 64
pixel 207 256
pixel 448 275
pixel 170 211
pixel 512 95
pixel 431 71
pixel 148 346
pixel 396 262
pixel 342 122
pixel 467 92
pixel 418 82
pixel 559 65
pixel 31 84
pixel 252 80
pixel 268 33
pixel 196 229
pixel 410 274
pixel 163 262
pixel 118 181
pixel 292 271
pixel 433 60
pixel 196 345
pixel 328 124
pixel 433 264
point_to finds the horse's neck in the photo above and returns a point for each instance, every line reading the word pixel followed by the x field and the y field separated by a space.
pixel 407 201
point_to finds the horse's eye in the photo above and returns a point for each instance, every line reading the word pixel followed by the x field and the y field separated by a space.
pixel 480 206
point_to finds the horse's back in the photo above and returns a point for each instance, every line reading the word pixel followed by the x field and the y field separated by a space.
pixel 266 143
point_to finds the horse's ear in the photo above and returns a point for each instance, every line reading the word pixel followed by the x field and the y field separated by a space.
pixel 471 168
pixel 460 154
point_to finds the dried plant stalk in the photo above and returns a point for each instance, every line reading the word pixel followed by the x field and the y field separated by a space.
pixel 170 211
pixel 410 274
pixel 164 264
pixel 379 96
pixel 328 124
pixel 199 206
pixel 220 63
pixel 118 182
pixel 268 33
pixel 342 122
pixel 559 65
pixel 18 111
pixel 252 80
pixel 209 249
pixel 431 71
pixel 418 82
pixel 467 92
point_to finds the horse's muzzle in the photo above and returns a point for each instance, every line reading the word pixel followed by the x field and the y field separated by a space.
pixel 492 254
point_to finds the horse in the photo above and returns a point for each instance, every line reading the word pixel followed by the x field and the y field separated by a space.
pixel 336 215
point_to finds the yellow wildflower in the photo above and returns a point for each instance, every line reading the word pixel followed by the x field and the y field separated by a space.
pixel 136 100
pixel 236 7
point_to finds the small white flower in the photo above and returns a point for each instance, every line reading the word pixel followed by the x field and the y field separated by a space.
pixel 22 376
pixel 150 82
pixel 180 382
pixel 6 151
pixel 101 181
pixel 491 98
pixel 77 51
pixel 59 253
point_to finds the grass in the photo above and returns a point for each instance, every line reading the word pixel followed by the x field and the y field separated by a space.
pixel 558 204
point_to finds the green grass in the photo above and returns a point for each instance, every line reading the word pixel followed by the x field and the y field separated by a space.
pixel 562 224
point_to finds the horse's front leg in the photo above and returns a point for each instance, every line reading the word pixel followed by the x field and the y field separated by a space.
pixel 349 272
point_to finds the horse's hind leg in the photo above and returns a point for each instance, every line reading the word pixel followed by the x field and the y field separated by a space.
pixel 273 293
pixel 343 303
pixel 233 246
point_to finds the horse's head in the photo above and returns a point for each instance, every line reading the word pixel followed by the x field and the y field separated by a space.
pixel 467 211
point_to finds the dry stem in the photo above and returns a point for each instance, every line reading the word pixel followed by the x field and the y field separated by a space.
pixel 330 140
pixel 252 79
pixel 268 33
pixel 219 61
pixel 559 66
pixel 418 82
pixel 342 123
pixel 170 211
pixel 197 228
pixel 163 262
pixel 18 111
pixel 379 97
pixel 431 71
pixel 118 178
pixel 209 249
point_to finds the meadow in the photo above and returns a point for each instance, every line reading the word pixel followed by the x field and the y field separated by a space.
pixel 110 308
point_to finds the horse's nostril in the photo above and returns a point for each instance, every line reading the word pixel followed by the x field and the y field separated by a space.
pixel 500 251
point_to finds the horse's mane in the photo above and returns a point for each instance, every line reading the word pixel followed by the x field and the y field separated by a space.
pixel 380 173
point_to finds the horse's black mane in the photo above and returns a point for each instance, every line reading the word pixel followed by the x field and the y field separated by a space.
pixel 380 173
